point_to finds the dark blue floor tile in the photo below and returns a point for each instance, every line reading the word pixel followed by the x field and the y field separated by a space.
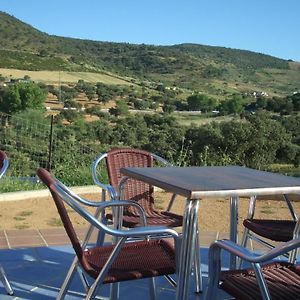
pixel 38 273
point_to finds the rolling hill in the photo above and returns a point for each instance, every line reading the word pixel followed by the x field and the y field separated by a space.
pixel 216 71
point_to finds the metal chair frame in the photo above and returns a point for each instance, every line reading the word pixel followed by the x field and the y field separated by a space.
pixel 255 260
pixel 4 165
pixel 248 234
pixel 118 194
pixel 76 203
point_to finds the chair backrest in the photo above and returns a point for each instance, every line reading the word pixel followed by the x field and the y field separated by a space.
pixel 49 181
pixel 3 163
pixel 134 190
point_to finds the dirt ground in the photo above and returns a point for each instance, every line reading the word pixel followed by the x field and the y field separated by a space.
pixel 40 213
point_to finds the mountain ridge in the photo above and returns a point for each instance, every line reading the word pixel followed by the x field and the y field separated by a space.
pixel 212 69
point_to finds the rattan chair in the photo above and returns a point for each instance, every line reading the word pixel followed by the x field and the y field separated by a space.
pixel 123 261
pixel 136 190
pixel 122 187
pixel 3 168
pixel 273 280
pixel 264 231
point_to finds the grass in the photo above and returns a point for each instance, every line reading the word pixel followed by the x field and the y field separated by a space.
pixel 198 120
pixel 25 213
pixel 19 218
pixel 159 202
pixel 55 222
pixel 22 215
pixel 285 169
pixel 22 226
pixel 267 211
pixel 10 185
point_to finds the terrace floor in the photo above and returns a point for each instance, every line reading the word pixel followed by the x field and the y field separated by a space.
pixel 37 273
pixel 36 262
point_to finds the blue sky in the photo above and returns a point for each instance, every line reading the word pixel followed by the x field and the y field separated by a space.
pixel 265 26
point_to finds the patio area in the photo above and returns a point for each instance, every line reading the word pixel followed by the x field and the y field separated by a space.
pixel 36 262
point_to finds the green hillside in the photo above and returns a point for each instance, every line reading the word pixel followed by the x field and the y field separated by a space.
pixel 213 70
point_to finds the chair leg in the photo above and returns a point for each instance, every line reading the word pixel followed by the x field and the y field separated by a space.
pixel 197 267
pixel 101 233
pixel 68 279
pixel 152 288
pixel 5 282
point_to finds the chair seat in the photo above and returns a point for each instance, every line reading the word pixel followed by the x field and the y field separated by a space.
pixel 156 218
pixel 156 258
pixel 283 281
pixel 276 230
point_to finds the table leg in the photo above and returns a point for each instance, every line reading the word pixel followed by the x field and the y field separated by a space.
pixel 187 251
pixel 234 213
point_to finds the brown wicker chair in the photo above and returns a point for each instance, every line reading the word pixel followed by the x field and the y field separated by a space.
pixel 3 168
pixel 138 191
pixel 111 263
pixel 275 280
pixel 262 230
pixel 141 192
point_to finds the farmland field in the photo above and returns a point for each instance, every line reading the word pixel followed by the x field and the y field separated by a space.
pixel 54 77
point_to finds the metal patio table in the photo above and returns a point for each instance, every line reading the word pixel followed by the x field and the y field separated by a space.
pixel 195 183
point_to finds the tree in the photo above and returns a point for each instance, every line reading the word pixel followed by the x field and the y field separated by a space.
pixel 168 108
pixel 270 138
pixel 232 106
pixel 140 104
pixel 43 53
pixel 201 102
pixel 70 115
pixel 121 108
pixel 22 96
pixel 72 104
pixel 131 131
pixel 10 102
pixel 296 101
pixel 261 103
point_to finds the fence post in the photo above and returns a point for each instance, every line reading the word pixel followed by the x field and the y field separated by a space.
pixel 49 165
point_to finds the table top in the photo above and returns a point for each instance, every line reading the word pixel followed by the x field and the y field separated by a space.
pixel 224 181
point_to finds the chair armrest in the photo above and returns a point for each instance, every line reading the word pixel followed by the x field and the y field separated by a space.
pixel 125 203
pixel 161 160
pixel 102 205
pixel 149 231
pixel 122 187
pixel 250 256
pixel 214 262
pixel 112 192
pixel 68 197
pixel 77 197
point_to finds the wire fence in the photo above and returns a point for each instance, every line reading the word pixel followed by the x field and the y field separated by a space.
pixel 31 144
